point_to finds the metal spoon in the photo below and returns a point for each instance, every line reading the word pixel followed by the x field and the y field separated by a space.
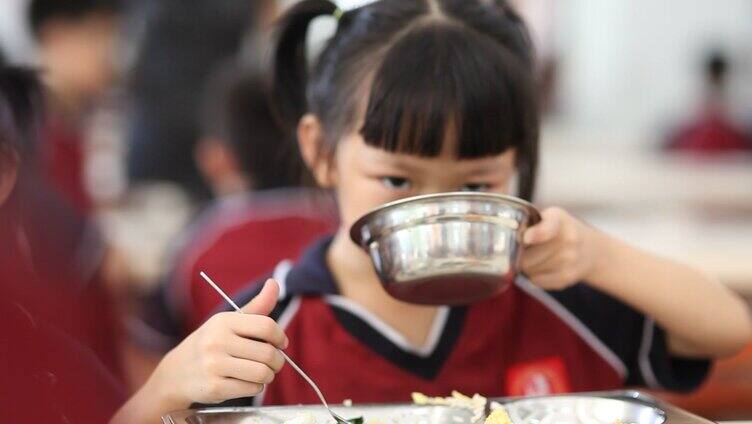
pixel 295 366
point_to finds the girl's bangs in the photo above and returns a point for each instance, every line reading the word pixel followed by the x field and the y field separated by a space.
pixel 441 83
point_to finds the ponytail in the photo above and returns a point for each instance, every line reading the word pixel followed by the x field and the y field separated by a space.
pixel 290 67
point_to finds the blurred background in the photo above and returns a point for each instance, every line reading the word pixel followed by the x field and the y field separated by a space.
pixel 647 135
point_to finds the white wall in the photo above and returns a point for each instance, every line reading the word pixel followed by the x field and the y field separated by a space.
pixel 14 38
pixel 627 65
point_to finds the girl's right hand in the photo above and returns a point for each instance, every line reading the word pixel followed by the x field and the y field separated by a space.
pixel 231 355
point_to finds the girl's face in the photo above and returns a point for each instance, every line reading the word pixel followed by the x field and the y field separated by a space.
pixel 366 177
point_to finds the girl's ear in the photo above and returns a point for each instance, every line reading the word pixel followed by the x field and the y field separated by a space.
pixel 310 141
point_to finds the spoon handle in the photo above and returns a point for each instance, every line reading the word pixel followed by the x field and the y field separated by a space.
pixel 305 376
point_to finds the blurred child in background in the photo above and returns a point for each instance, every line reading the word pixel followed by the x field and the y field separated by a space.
pixel 260 216
pixel 711 129
pixel 241 146
pixel 77 42
pixel 58 348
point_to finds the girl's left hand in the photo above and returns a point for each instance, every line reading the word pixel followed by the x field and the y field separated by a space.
pixel 560 250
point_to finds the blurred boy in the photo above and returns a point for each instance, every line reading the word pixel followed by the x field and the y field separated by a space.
pixel 76 40
pixel 241 147
pixel 259 218
pixel 711 129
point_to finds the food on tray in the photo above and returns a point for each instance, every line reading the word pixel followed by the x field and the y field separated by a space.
pixel 302 419
pixel 456 400
pixel 498 416
pixel 476 404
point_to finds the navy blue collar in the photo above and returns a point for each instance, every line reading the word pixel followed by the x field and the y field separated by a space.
pixel 311 275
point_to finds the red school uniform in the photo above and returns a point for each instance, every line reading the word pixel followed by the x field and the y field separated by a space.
pixel 524 341
pixel 56 362
pixel 62 162
pixel 710 132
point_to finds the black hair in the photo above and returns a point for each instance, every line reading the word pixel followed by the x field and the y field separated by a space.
pixel 428 69
pixel 41 11
pixel 20 116
pixel 237 111
pixel 716 67
pixel 20 107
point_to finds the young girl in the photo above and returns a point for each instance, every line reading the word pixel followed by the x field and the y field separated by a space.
pixel 422 96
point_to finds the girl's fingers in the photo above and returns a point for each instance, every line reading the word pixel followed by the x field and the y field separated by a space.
pixel 230 388
pixel 253 350
pixel 555 280
pixel 546 280
pixel 558 262
pixel 258 327
pixel 547 229
pixel 245 370
pixel 534 256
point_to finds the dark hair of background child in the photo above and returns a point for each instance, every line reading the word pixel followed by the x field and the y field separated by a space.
pixel 21 101
pixel 716 67
pixel 20 108
pixel 236 110
pixel 431 71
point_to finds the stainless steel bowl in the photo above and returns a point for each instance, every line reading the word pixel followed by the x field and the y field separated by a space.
pixel 447 248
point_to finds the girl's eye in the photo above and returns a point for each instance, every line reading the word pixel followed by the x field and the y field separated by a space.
pixel 396 183
pixel 476 187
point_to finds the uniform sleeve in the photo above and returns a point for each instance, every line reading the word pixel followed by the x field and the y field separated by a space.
pixel 637 340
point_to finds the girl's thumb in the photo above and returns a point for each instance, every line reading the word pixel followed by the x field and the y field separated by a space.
pixel 265 301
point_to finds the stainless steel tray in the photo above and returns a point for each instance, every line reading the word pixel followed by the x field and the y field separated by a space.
pixel 386 414
pixel 628 407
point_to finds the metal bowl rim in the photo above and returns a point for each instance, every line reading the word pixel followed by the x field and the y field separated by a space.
pixel 533 214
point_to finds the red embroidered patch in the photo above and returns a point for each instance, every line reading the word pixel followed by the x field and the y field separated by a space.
pixel 542 377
